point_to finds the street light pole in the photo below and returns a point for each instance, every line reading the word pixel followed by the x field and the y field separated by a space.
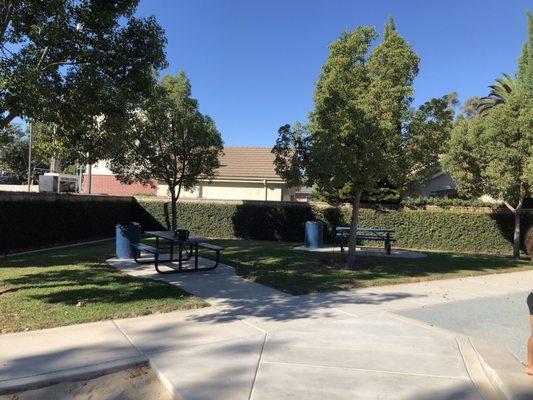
pixel 29 163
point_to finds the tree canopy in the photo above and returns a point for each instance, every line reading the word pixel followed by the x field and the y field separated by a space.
pixel 492 152
pixel 169 140
pixel 362 130
pixel 81 65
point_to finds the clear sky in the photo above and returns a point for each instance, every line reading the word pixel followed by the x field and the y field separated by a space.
pixel 253 64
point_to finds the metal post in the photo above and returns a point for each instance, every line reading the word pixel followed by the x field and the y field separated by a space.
pixel 29 162
pixel 53 159
pixel 90 178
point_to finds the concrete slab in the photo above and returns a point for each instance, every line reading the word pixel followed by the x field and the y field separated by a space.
pixel 502 320
pixel 182 329
pixel 38 358
pixel 222 370
pixel 220 287
pixel 521 281
pixel 290 381
pixel 365 251
pixel 505 371
pixel 395 347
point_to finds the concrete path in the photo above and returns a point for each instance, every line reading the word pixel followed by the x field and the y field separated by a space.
pixel 257 343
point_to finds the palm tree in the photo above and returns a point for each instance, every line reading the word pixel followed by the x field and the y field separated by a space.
pixel 500 93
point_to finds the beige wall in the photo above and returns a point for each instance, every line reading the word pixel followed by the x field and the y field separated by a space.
pixel 18 188
pixel 234 191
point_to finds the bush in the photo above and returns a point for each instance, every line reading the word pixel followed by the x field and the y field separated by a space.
pixel 444 202
pixel 37 220
pixel 33 220
pixel 465 231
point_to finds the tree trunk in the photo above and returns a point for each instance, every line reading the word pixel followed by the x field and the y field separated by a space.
pixel 55 164
pixel 352 263
pixel 173 212
pixel 516 236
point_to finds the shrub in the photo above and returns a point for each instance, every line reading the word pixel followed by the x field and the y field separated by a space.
pixel 33 220
pixel 36 220
pixel 446 230
pixel 444 202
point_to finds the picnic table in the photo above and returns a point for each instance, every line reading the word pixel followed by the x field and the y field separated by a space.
pixel 186 249
pixel 377 234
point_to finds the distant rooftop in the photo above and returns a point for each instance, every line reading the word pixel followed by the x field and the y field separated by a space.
pixel 247 163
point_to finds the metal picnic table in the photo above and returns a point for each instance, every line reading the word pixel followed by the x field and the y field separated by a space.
pixel 189 245
pixel 377 234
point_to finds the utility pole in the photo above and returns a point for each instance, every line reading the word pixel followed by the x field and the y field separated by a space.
pixel 29 163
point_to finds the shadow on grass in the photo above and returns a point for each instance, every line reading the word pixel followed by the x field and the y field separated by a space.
pixel 94 284
pixel 298 272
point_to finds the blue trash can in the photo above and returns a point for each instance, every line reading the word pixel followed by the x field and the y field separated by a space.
pixel 314 232
pixel 126 233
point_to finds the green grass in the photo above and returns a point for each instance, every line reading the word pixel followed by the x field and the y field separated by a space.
pixel 75 285
pixel 278 265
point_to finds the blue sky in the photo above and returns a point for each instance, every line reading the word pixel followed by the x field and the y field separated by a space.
pixel 253 64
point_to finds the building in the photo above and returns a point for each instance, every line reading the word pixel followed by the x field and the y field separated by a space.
pixel 440 184
pixel 245 173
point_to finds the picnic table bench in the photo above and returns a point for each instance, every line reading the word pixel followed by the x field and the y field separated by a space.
pixel 376 234
pixel 186 249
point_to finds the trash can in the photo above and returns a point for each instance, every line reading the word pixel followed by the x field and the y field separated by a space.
pixel 126 233
pixel 314 231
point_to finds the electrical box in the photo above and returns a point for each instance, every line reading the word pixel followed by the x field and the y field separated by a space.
pixel 57 183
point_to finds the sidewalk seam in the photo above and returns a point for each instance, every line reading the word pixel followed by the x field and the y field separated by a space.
pixel 458 378
pixel 257 367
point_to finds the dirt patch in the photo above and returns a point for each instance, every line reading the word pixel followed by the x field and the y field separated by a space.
pixel 138 383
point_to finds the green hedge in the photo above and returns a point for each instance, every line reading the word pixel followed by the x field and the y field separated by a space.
pixel 30 223
pixel 41 221
pixel 418 229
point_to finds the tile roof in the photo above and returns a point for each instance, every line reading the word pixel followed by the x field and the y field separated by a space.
pixel 247 163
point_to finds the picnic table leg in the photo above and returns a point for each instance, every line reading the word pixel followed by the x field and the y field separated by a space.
pixel 387 244
pixel 180 256
pixel 342 244
pixel 195 255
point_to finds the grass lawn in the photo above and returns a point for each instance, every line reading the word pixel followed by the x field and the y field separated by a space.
pixel 279 266
pixel 75 285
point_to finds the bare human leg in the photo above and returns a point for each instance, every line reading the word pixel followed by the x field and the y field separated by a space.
pixel 529 367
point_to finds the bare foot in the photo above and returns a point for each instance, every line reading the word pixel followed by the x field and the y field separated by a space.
pixel 529 370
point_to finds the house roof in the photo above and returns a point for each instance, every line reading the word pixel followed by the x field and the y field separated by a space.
pixel 247 163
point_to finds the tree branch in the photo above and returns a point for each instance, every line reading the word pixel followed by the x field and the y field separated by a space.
pixel 4 122
pixel 510 207
pixel 7 19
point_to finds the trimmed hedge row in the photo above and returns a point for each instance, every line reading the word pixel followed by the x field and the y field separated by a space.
pixel 30 223
pixel 461 231
pixel 44 221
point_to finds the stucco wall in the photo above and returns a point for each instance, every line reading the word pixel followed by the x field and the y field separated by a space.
pixel 233 191
pixel 18 188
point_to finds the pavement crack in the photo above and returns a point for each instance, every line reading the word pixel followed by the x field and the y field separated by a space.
pixel 257 368
pixel 368 370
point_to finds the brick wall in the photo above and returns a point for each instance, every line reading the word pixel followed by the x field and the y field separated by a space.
pixel 108 184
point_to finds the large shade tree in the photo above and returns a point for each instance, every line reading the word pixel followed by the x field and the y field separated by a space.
pixel 169 141
pixel 492 152
pixel 362 130
pixel 80 65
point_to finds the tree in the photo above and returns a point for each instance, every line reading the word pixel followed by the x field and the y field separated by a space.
pixel 358 132
pixel 170 141
pixel 80 65
pixel 470 107
pixel 492 153
pixel 500 93
pixel 14 157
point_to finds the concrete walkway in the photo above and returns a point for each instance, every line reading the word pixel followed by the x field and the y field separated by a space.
pixel 257 343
